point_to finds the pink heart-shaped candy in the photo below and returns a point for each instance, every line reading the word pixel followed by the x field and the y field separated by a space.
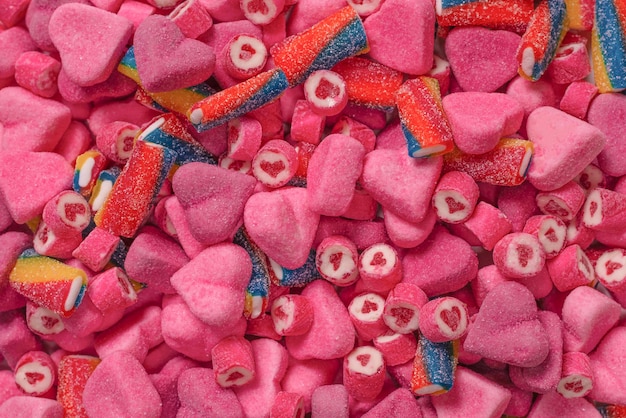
pixel 507 328
pixel 608 363
pixel 282 225
pixel 91 41
pixel 166 59
pixel 213 199
pixel 482 59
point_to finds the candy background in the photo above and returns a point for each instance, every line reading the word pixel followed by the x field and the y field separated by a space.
pixel 321 208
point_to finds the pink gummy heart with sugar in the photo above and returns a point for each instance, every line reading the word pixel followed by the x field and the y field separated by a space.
pixel 482 59
pixel 507 328
pixel 91 41
pixel 166 59
pixel 28 180
pixel 213 284
pixel 479 119
pixel 20 131
pixel 213 199
pixel 282 225
pixel 402 184
pixel 608 363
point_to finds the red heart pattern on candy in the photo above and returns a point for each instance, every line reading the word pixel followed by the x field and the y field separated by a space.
pixel 91 41
pixel 213 199
pixel 507 328
pixel 166 60
pixel 482 59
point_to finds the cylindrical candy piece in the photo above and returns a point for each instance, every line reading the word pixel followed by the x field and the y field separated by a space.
pixel 338 36
pixel 545 31
pixel 576 377
pixel 67 213
pixel 38 73
pixel 513 14
pixel 366 313
pixel 364 373
pixel 455 197
pixel 112 290
pixel 570 269
pixel 336 260
pixel 443 319
pixel 519 255
pixel 608 46
pixel 325 91
pixel 505 165
pixel 564 202
pixel 42 321
pixel 35 373
pixel 605 210
pixel 275 163
pixel 380 268
pixel 48 282
pixel 424 123
pixel 135 190
pixel 244 56
pixel 610 269
pixel 116 140
pixel 288 405
pixel 402 308
pixel 396 348
pixel 237 100
pixel 102 188
pixel 292 315
pixel 299 277
pixel 74 371
pixel 261 12
pixel 550 231
pixel 86 170
pixel 244 138
pixel 434 366
pixel 192 18
pixel 233 362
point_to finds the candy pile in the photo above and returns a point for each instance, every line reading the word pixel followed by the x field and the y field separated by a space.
pixel 330 208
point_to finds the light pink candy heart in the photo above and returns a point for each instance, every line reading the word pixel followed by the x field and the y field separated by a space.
pixel 91 41
pixel 28 180
pixel 402 184
pixel 507 328
pixel 166 60
pixel 482 59
pixel 282 225
pixel 608 363
pixel 213 199
pixel 479 120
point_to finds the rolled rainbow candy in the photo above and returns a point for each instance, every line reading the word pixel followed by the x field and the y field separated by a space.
pixel 337 37
pixel 238 100
pixel 580 14
pixel 299 277
pixel 502 14
pixel 136 189
pixel 48 282
pixel 86 171
pixel 423 121
pixel 179 101
pixel 434 366
pixel 104 185
pixel 257 292
pixel 611 411
pixel 608 45
pixel 505 165
pixel 171 132
pixel 369 83
pixel 544 33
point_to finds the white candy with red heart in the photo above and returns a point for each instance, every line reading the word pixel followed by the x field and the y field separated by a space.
pixel 577 375
pixel 365 7
pixel 402 308
pixel 605 210
pixel 35 373
pixel 396 348
pixel 67 213
pixel 275 163
pixel 292 315
pixel 564 202
pixel 47 242
pixel 570 269
pixel 228 163
pixel 245 56
pixel 325 91
pixel 366 313
pixel 380 268
pixel 519 255
pixel 262 12
pixel 550 231
pixel 455 197
pixel 443 319
pixel 610 269
pixel 233 362
pixel 111 290
pixel 116 140
pixel 364 373
pixel 42 321
pixel 336 260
